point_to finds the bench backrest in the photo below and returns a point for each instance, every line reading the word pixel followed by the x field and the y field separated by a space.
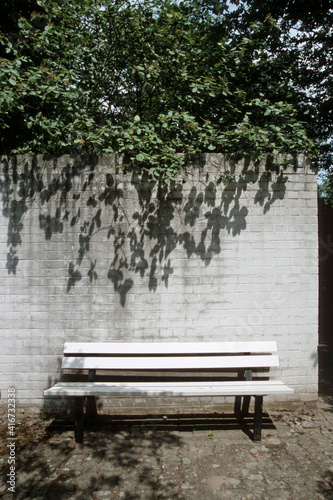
pixel 169 355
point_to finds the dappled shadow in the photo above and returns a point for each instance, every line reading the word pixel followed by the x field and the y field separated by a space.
pixel 328 401
pixel 325 486
pixel 138 456
pixel 142 220
pixel 49 462
pixel 177 422
pixel 25 181
pixel 270 192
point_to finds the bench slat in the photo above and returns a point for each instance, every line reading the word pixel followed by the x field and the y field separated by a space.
pixel 168 347
pixel 169 363
pixel 167 389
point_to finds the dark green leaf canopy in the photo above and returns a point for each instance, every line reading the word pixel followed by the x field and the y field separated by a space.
pixel 152 79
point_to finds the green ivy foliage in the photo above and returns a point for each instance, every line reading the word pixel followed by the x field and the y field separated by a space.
pixel 305 44
pixel 156 81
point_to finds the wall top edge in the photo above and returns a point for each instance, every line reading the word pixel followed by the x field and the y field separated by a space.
pixel 222 162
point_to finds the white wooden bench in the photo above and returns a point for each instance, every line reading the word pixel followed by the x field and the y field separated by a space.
pixel 175 369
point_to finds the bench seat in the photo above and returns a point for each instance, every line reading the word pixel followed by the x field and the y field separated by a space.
pixel 173 369
pixel 169 389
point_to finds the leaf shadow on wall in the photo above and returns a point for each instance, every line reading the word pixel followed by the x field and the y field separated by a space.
pixel 142 235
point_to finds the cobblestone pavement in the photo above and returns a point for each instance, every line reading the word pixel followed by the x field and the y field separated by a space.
pixel 174 458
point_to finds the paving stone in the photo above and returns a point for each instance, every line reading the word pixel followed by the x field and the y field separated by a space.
pixel 174 465
pixel 102 494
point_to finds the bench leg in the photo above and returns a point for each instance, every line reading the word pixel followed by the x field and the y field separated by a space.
pixel 246 405
pixel 242 404
pixel 91 408
pixel 257 418
pixel 79 419
pixel 237 406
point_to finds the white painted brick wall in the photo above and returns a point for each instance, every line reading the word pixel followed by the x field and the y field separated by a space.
pixel 231 262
